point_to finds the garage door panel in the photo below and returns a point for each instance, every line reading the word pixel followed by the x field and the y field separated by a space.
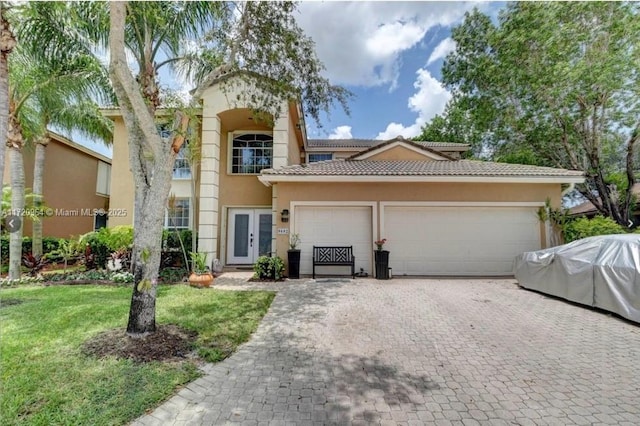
pixel 334 226
pixel 458 240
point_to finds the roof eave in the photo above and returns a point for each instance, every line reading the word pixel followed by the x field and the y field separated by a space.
pixel 268 179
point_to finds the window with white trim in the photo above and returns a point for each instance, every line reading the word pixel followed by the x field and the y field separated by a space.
pixel 251 152
pixel 103 181
pixel 318 156
pixel 181 169
pixel 177 216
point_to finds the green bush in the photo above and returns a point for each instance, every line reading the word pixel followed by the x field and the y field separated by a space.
pixel 583 227
pixel 116 238
pixel 170 241
pixel 269 268
pixel 172 275
pixel 105 241
pixel 98 253
pixel 49 244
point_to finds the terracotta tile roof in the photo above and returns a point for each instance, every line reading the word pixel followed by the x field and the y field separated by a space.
pixel 368 143
pixel 419 168
pixel 420 146
pixel 587 208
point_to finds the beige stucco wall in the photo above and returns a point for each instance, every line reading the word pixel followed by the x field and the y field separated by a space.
pixel 416 192
pixel 70 178
pixel 122 186
pixel 240 190
pixel 292 144
pixel 222 115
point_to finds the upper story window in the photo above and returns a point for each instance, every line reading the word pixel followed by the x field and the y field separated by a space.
pixel 103 181
pixel 181 169
pixel 313 157
pixel 251 152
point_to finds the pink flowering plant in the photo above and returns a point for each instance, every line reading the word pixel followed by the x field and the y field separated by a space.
pixel 380 243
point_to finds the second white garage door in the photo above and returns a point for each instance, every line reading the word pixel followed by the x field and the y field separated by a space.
pixel 458 240
pixel 334 226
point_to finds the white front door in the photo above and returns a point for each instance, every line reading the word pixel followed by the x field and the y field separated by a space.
pixel 249 235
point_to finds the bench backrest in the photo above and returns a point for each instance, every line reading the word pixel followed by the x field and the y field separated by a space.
pixel 333 254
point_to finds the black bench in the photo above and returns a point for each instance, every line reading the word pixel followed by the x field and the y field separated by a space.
pixel 334 256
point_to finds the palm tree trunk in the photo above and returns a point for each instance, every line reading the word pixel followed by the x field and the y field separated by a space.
pixel 7 43
pixel 38 194
pixel 17 206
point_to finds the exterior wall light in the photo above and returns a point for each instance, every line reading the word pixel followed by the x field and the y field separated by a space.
pixel 284 216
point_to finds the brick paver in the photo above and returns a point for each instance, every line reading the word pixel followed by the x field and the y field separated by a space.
pixel 415 351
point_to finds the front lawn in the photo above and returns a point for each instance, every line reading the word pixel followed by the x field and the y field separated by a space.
pixel 46 378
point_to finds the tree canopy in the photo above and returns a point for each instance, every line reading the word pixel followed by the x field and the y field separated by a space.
pixel 554 84
pixel 202 42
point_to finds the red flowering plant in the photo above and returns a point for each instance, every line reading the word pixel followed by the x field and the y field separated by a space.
pixel 380 243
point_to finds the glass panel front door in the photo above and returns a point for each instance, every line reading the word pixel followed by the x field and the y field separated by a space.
pixel 248 236
pixel 264 233
pixel 241 235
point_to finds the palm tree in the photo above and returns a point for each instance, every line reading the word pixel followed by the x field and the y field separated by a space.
pixel 48 90
pixel 7 43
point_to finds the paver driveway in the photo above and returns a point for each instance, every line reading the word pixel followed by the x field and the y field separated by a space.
pixel 411 351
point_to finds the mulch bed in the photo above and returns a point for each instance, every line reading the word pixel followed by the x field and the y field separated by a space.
pixel 168 343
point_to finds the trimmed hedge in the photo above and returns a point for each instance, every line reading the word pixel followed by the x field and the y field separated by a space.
pixel 49 244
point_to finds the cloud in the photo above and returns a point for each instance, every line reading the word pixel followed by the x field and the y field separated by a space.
pixel 430 99
pixel 361 43
pixel 341 132
pixel 442 50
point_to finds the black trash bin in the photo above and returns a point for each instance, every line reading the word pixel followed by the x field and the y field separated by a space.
pixel 382 264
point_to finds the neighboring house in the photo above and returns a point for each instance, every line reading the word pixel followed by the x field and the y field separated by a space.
pixel 75 186
pixel 440 215
pixel 587 209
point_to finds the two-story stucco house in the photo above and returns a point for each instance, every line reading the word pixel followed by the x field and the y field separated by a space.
pixel 441 215
pixel 75 186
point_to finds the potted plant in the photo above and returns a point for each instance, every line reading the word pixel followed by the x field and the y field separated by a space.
pixel 293 256
pixel 381 259
pixel 200 276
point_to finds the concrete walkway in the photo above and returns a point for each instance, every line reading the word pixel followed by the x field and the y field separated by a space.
pixel 416 351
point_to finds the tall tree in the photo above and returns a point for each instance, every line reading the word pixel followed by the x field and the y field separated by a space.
pixel 559 81
pixel 57 90
pixel 262 39
pixel 7 43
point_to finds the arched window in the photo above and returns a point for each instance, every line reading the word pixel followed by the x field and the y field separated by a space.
pixel 251 152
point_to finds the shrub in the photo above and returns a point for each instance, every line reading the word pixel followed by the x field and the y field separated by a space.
pixel 116 238
pixel 172 275
pixel 171 242
pixel 6 282
pixel 269 268
pixel 95 250
pixel 583 227
pixel 122 277
pixel 49 244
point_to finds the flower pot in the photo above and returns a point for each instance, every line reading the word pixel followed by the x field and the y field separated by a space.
pixel 382 264
pixel 293 260
pixel 200 280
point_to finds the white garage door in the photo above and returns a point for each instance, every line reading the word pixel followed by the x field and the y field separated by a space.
pixel 334 226
pixel 458 240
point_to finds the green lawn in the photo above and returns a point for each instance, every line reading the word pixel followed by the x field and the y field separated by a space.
pixel 47 380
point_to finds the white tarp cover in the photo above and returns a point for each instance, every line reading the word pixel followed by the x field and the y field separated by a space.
pixel 602 271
